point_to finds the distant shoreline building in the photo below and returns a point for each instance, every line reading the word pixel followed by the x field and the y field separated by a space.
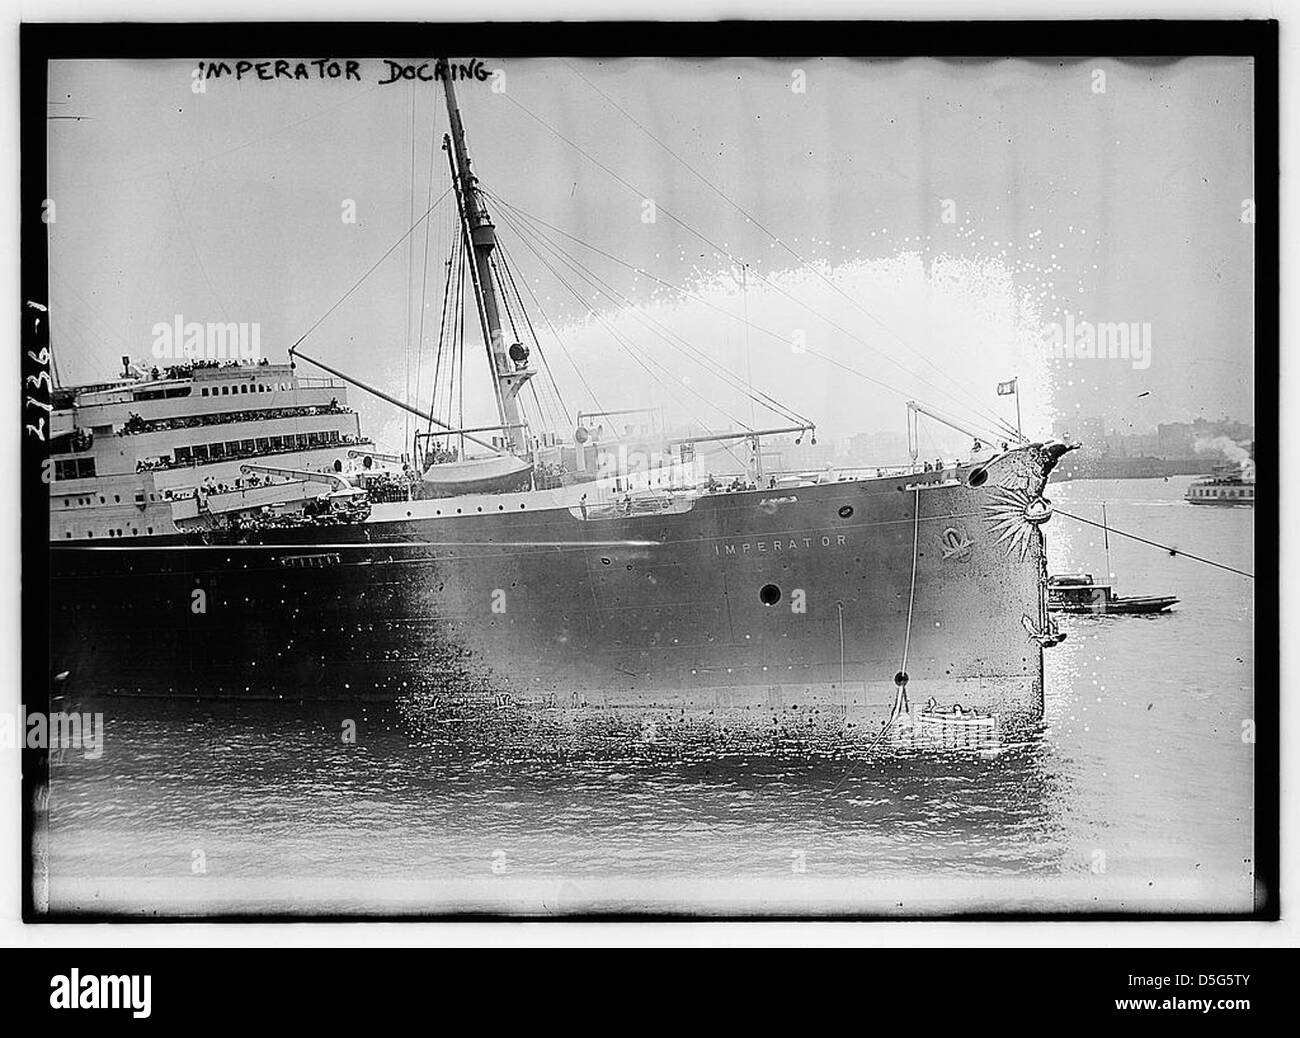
pixel 1173 448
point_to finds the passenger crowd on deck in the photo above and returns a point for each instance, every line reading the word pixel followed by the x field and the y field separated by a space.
pixel 135 424
pixel 713 486
pixel 230 452
pixel 549 476
pixel 178 371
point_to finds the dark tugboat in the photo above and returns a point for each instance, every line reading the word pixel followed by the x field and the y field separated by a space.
pixel 1081 594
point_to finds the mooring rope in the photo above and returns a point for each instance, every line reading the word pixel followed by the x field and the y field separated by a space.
pixel 900 679
pixel 911 595
pixel 840 607
pixel 1155 544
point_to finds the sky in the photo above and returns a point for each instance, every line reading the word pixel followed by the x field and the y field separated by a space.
pixel 843 234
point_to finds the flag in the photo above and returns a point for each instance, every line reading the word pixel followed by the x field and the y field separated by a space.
pixel 1007 388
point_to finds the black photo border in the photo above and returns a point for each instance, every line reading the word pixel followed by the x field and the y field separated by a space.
pixel 974 40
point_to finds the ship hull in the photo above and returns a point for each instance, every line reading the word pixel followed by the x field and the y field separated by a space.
pixel 745 608
pixel 1117 607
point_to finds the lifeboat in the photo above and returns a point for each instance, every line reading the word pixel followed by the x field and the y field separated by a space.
pixel 500 474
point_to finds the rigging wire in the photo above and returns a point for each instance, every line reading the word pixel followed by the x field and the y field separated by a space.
pixel 702 358
pixel 721 251
pixel 668 336
pixel 627 345
pixel 988 432
pixel 564 349
pixel 424 276
pixel 456 320
pixel 506 264
pixel 630 348
pixel 495 273
pixel 749 217
pixel 442 330
pixel 459 381
pixel 641 358
pixel 455 327
pixel 357 284
pixel 410 275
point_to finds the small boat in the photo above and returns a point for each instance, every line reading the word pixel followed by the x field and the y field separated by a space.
pixel 954 727
pixel 954 716
pixel 1082 595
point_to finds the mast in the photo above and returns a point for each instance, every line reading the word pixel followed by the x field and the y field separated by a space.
pixel 1105 534
pixel 508 375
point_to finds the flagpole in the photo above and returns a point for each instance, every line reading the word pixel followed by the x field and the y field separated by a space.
pixel 1015 385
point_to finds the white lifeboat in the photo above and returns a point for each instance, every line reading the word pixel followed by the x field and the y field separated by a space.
pixel 500 474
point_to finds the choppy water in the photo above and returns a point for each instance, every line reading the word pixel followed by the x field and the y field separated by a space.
pixel 1136 795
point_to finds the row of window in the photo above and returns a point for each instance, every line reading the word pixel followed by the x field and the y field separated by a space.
pixel 116 532
pixel 103 500
pixel 235 388
pixel 1222 492
pixel 262 444
pixel 161 394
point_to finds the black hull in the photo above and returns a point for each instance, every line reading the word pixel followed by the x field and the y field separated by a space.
pixel 647 616
pixel 1121 607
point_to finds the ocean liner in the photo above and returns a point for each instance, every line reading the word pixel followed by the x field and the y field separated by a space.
pixel 226 530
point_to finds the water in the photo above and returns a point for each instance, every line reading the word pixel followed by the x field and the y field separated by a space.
pixel 1137 795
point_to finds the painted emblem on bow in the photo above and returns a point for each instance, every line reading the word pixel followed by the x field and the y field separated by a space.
pixel 955 545
pixel 1015 516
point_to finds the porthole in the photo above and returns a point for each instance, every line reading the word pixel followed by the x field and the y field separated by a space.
pixel 769 594
pixel 846 511
pixel 978 477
